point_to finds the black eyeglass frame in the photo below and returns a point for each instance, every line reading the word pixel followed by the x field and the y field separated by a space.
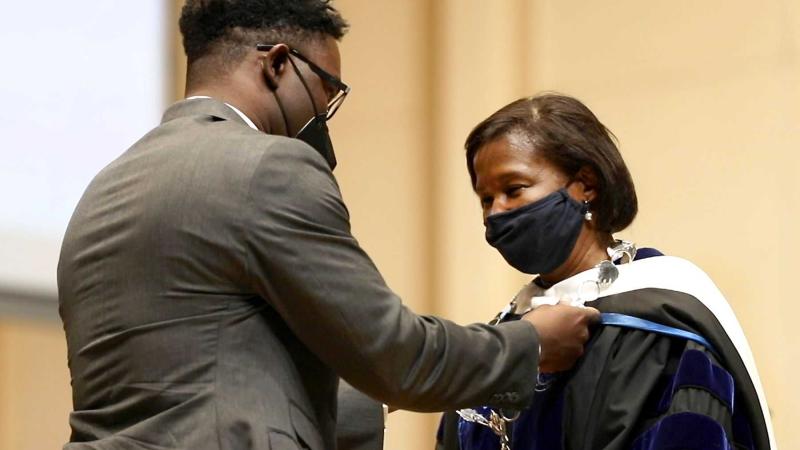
pixel 343 89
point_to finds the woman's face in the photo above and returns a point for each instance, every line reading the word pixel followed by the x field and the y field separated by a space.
pixel 510 174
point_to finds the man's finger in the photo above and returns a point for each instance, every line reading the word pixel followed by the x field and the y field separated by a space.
pixel 592 314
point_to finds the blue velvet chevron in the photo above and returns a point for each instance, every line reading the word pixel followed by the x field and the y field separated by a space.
pixel 696 370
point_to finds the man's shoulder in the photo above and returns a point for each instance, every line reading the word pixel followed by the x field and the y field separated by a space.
pixel 229 139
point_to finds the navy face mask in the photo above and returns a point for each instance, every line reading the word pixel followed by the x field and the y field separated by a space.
pixel 537 238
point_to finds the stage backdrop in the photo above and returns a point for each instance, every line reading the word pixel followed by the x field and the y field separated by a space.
pixel 81 81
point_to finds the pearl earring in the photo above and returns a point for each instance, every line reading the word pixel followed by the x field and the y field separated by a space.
pixel 587 214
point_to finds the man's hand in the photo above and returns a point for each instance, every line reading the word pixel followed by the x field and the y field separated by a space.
pixel 563 330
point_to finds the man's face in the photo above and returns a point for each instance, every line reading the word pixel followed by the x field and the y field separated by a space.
pixel 298 96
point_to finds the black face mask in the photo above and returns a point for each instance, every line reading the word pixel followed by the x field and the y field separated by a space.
pixel 315 131
pixel 537 238
pixel 315 134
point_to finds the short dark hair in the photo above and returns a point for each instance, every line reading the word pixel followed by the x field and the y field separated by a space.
pixel 568 135
pixel 233 26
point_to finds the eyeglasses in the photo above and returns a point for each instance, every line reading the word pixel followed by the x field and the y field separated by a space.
pixel 341 89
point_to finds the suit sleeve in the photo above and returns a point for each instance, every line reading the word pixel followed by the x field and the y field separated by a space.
pixel 304 261
pixel 359 424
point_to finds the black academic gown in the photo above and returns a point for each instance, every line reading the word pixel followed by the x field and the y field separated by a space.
pixel 640 389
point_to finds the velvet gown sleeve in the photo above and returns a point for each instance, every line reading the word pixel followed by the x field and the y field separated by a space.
pixel 633 390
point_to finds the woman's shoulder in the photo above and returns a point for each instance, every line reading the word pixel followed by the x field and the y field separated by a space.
pixel 666 272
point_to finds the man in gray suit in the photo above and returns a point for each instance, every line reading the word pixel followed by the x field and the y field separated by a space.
pixel 212 293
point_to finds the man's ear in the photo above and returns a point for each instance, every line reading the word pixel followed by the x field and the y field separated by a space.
pixel 587 178
pixel 274 64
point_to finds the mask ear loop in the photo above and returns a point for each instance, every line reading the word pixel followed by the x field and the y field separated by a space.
pixel 283 114
pixel 274 88
pixel 305 85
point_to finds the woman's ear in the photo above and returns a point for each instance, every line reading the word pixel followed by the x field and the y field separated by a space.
pixel 274 64
pixel 586 178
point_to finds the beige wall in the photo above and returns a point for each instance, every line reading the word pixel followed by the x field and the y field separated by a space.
pixel 35 398
pixel 703 96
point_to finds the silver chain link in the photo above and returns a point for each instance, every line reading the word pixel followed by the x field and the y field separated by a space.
pixel 496 422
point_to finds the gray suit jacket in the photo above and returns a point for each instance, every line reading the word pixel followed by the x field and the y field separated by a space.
pixel 212 294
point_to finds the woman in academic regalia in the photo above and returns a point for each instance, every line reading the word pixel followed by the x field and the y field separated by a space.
pixel 669 367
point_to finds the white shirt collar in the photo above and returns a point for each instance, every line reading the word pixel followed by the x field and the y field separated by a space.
pixel 235 109
pixel 573 289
